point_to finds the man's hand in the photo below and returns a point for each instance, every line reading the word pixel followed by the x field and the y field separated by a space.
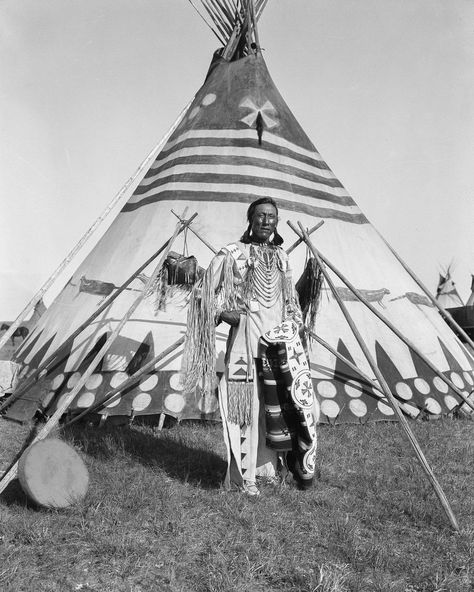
pixel 231 317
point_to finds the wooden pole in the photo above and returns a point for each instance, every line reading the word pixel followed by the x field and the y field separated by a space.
pixel 433 300
pixel 53 357
pixel 254 25
pixel 203 18
pixel 215 19
pixel 196 233
pixel 403 421
pixel 54 419
pixel 390 325
pixel 300 240
pixel 127 383
pixel 261 8
pixel 67 260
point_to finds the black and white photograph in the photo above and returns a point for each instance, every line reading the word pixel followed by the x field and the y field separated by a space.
pixel 237 296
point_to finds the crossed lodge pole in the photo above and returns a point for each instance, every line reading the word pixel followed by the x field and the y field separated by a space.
pixel 380 378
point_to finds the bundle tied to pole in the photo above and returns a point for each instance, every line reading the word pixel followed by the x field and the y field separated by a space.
pixel 309 290
pixel 179 272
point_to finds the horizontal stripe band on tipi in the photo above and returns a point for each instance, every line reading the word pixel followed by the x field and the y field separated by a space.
pixel 232 137
pixel 246 196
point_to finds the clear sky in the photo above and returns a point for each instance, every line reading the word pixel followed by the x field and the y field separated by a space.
pixel 384 88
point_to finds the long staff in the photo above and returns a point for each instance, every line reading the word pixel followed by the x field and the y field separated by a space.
pixel 30 380
pixel 390 325
pixel 67 260
pixel 54 419
pixel 375 369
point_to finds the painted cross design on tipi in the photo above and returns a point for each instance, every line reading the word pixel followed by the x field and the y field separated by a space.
pixel 267 112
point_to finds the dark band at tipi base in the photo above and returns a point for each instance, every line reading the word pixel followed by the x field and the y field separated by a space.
pixel 380 346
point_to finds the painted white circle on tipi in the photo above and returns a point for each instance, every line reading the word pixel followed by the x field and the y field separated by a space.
pixel 114 402
pixel 403 391
pixel 176 381
pixel 57 382
pixel 208 99
pixel 118 378
pixel 450 402
pixel 353 388
pixel 385 409
pixel 47 399
pixel 433 406
pixel 94 381
pixel 411 410
pixel 440 385
pixel 85 400
pixel 141 401
pixel 422 386
pixel 174 402
pixel 468 378
pixel 61 399
pixel 358 407
pixel 326 389
pixel 73 380
pixel 330 408
pixel 456 380
pixel 465 407
pixel 149 383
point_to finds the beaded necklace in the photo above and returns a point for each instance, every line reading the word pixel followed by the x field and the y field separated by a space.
pixel 264 277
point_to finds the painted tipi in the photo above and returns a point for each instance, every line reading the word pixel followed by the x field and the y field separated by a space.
pixel 239 141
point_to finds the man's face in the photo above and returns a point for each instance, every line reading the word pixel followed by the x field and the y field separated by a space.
pixel 264 222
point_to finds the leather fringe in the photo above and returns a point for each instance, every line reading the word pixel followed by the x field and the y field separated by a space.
pixel 239 402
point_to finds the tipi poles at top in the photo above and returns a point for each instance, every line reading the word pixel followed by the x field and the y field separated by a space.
pixel 375 369
pixel 30 380
pixel 441 309
pixel 203 18
pixel 62 407
pixel 67 260
pixel 392 327
pixel 254 23
pixel 260 7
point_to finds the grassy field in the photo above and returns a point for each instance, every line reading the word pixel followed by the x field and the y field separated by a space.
pixel 157 518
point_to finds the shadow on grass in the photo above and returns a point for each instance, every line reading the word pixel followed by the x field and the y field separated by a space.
pixel 13 495
pixel 166 451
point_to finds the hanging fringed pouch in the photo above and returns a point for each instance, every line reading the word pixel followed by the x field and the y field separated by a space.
pixel 177 270
pixel 181 270
pixel 309 290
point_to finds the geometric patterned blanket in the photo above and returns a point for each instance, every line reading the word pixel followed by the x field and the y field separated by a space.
pixel 291 408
